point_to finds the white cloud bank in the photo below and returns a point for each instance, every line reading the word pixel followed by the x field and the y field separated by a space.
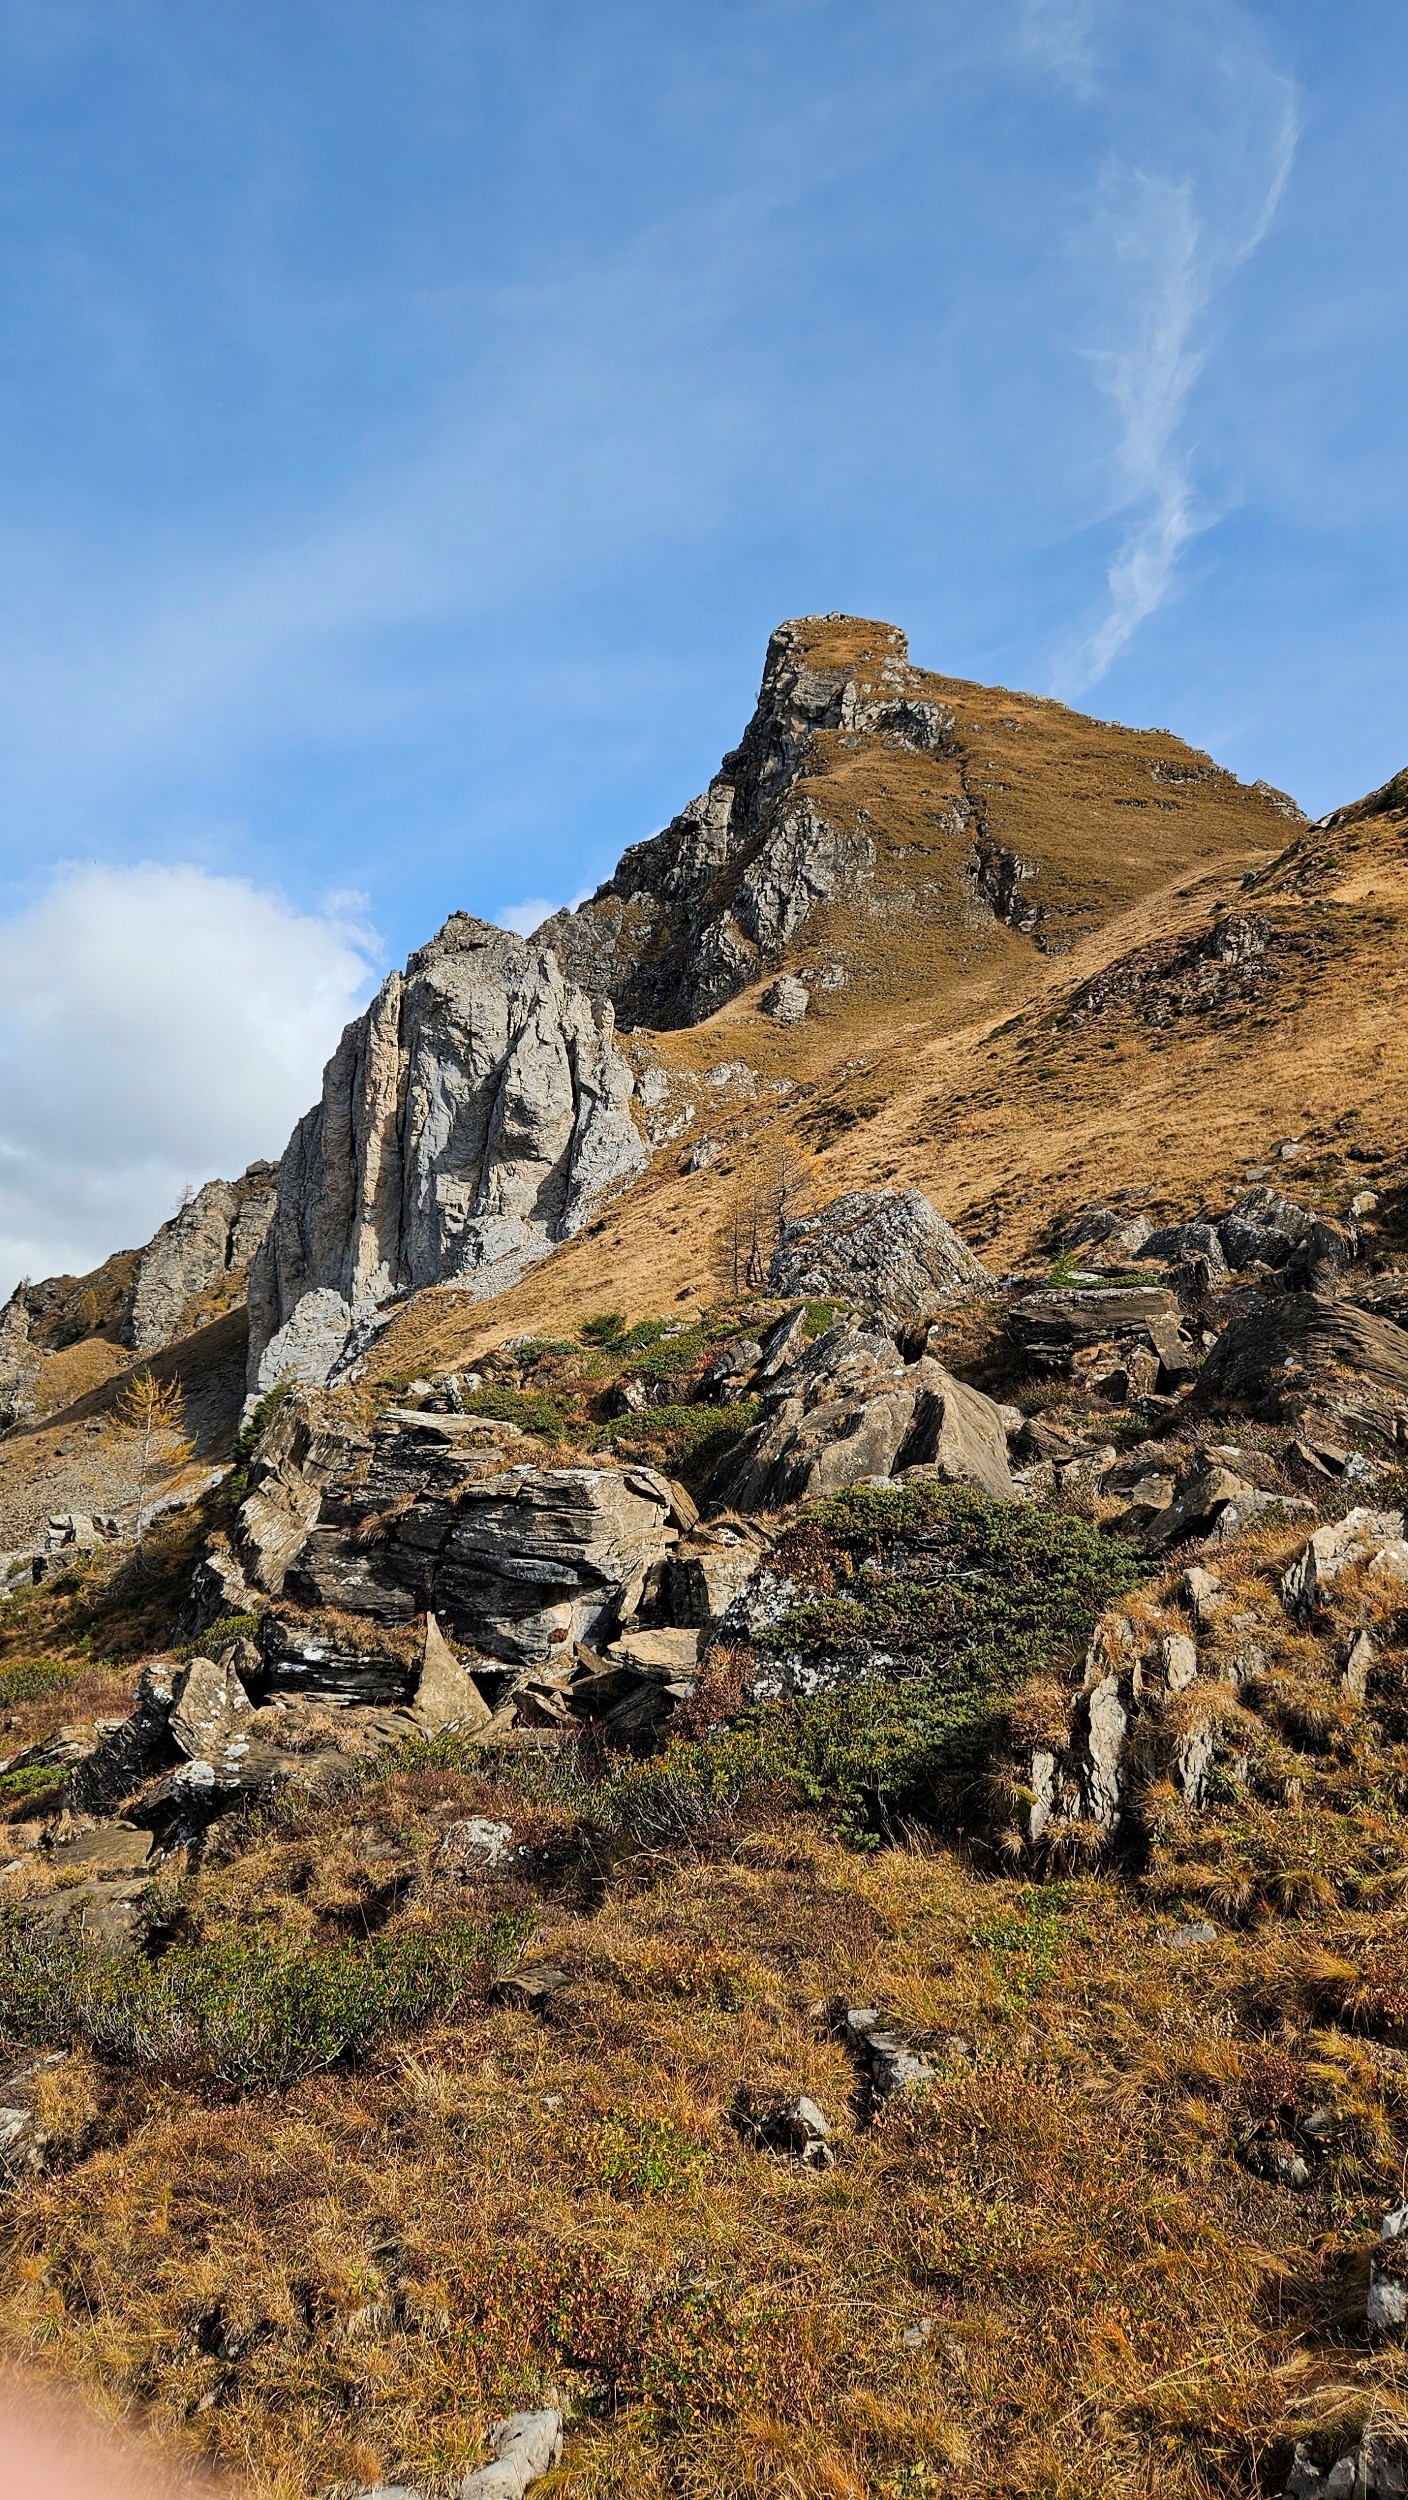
pixel 159 1025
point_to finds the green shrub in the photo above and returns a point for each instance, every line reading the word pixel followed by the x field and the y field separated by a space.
pixel 690 1440
pixel 530 1350
pixel 604 1328
pixel 533 1410
pixel 249 1436
pixel 961 1597
pixel 34 1679
pixel 644 2156
pixel 247 2011
pixel 40 1780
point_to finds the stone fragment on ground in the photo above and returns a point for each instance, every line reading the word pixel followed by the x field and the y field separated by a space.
pixel 446 1695
pixel 796 2128
pixel 1387 2304
pixel 786 1000
pixel 894 2067
pixel 1374 1537
pixel 1375 2469
pixel 525 2447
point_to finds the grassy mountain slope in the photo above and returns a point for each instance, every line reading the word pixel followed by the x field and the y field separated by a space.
pixel 315 2228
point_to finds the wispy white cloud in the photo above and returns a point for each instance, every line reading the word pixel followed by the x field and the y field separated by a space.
pixel 158 1025
pixel 1059 36
pixel 1165 245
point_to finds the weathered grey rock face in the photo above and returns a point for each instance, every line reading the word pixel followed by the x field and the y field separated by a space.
pixel 219 1231
pixel 1049 1329
pixel 850 1409
pixel 19 1365
pixel 475 1115
pixel 424 1515
pixel 703 909
pixel 1283 1351
pixel 889 1250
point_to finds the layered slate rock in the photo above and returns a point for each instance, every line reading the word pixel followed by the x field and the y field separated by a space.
pixel 1289 1350
pixel 474 1116
pixel 851 1409
pixel 887 1249
pixel 1050 1329
pixel 423 1516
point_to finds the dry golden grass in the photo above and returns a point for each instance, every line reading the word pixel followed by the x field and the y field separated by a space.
pixel 343 2282
pixel 974 1083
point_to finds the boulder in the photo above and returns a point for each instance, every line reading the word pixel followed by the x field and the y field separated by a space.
pixel 786 1000
pixel 705 1573
pixel 1105 1237
pixel 210 1707
pixel 1212 1500
pixel 1285 1349
pixel 525 2447
pixel 1050 1328
pixel 850 1410
pixel 796 2128
pixel 446 1695
pixel 888 1250
pixel 1363 1536
pixel 1263 1226
pixel 894 2067
pixel 1175 1242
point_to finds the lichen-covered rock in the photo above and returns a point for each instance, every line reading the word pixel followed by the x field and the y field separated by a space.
pixel 474 1115
pixel 887 1249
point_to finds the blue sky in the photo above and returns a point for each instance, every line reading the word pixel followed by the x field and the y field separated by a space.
pixel 412 421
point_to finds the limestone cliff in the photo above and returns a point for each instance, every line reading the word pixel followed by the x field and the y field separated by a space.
pixel 474 1116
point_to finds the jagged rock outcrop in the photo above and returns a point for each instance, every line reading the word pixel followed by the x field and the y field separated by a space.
pixel 850 1409
pixel 424 1515
pixel 887 1249
pixel 704 908
pixel 476 1114
pixel 217 1233
pixel 1284 1353
pixel 19 1365
pixel 1051 1329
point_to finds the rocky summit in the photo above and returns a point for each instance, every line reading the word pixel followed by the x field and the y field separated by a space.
pixel 706 1718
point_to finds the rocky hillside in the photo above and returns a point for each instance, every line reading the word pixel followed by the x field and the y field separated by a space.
pixel 752 1837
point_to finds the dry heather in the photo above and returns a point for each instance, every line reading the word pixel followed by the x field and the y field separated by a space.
pixel 1048 2273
